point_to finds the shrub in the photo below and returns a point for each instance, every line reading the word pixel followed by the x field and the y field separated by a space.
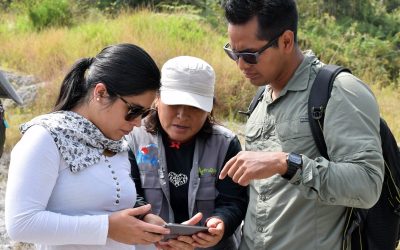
pixel 50 13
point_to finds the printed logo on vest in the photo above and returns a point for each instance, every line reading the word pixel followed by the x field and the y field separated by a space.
pixel 147 156
pixel 203 172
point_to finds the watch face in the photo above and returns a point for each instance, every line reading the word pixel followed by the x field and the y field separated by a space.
pixel 295 158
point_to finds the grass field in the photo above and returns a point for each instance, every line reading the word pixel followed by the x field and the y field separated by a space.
pixel 47 54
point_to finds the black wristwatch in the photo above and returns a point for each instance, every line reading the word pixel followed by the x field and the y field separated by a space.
pixel 295 164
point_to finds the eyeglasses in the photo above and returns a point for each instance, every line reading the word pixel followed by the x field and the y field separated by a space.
pixel 248 57
pixel 134 110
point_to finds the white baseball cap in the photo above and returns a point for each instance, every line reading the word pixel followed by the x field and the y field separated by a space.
pixel 187 80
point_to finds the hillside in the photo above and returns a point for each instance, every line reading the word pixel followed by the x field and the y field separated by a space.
pixel 49 51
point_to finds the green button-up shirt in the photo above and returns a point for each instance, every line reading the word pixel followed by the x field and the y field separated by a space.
pixel 309 213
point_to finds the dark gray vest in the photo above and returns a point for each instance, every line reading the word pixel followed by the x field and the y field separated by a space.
pixel 208 159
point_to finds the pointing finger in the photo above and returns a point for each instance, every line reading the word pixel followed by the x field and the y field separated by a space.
pixel 226 168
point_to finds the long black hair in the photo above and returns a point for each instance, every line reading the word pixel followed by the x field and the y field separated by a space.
pixel 125 69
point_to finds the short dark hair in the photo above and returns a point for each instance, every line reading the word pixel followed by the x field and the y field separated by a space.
pixel 125 69
pixel 273 16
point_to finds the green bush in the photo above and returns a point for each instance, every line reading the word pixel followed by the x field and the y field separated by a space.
pixel 48 13
pixel 376 60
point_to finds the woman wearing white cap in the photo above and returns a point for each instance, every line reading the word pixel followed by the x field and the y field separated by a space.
pixel 178 153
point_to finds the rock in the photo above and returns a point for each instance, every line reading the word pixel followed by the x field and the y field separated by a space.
pixel 26 87
pixel 27 94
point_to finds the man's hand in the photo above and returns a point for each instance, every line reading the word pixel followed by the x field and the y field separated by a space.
pixel 248 165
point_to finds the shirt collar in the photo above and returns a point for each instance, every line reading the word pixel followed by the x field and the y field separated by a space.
pixel 301 77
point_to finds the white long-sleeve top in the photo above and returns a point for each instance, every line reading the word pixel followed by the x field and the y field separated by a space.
pixel 50 206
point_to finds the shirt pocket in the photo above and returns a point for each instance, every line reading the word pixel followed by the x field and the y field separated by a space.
pixel 295 133
pixel 260 131
pixel 152 190
pixel 206 194
pixel 207 190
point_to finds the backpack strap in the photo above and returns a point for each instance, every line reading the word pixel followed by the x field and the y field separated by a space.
pixel 318 100
pixel 256 99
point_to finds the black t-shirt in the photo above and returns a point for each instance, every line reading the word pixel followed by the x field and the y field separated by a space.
pixel 179 164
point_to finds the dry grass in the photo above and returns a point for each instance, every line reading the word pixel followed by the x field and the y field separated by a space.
pixel 389 103
pixel 48 55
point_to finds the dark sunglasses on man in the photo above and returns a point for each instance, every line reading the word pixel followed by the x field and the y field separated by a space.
pixel 249 57
pixel 134 110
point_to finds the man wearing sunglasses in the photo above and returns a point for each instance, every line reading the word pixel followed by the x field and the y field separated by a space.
pixel 298 199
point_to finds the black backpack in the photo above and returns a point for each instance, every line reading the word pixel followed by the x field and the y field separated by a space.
pixel 376 228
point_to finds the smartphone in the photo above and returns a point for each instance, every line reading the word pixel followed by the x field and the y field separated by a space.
pixel 181 229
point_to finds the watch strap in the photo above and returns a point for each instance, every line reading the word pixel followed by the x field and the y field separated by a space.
pixel 293 167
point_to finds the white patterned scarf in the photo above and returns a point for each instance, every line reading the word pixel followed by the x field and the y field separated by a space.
pixel 79 141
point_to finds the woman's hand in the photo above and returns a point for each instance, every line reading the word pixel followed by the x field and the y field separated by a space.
pixel 182 242
pixel 125 228
pixel 154 219
pixel 216 229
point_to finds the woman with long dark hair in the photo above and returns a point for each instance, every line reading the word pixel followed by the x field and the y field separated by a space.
pixel 69 184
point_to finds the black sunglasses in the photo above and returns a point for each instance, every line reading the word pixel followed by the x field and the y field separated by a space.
pixel 134 110
pixel 248 57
